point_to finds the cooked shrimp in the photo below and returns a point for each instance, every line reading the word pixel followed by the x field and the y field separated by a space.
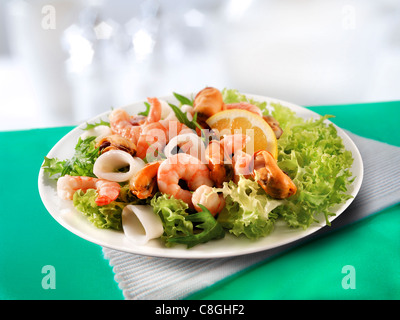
pixel 174 128
pixel 108 190
pixel 144 183
pixel 185 167
pixel 234 142
pixel 218 155
pixel 154 136
pixel 242 165
pixel 244 106
pixel 270 177
pixel 120 124
pixel 130 127
pixel 138 120
pixel 207 102
pixel 189 143
pixel 155 110
pixel 205 196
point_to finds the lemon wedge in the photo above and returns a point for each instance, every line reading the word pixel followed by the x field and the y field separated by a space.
pixel 245 122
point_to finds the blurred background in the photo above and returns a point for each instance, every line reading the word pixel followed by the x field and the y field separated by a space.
pixel 64 61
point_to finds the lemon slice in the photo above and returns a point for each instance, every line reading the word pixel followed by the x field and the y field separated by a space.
pixel 245 122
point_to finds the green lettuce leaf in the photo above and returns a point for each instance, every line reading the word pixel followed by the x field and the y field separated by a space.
pixel 81 164
pixel 181 226
pixel 103 217
pixel 183 100
pixel 212 230
pixel 172 213
pixel 313 155
pixel 182 117
pixel 90 126
pixel 315 158
pixel 248 209
pixel 146 112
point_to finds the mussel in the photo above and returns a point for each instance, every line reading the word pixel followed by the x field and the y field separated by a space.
pixel 207 102
pixel 270 177
pixel 116 142
pixel 274 124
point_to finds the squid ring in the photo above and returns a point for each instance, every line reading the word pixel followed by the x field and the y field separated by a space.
pixel 141 224
pixel 107 166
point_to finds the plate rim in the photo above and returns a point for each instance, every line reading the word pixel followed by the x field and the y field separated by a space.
pixel 193 254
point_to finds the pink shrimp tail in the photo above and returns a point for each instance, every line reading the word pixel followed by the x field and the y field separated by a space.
pixel 103 200
pixel 244 106
pixel 234 142
pixel 155 110
pixel 107 194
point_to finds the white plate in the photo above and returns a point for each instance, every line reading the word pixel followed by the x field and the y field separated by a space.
pixel 64 212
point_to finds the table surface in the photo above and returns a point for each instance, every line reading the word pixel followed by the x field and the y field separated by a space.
pixel 31 240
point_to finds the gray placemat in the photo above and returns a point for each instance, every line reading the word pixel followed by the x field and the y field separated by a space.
pixel 178 278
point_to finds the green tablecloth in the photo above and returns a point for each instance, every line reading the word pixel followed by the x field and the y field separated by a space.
pixel 30 239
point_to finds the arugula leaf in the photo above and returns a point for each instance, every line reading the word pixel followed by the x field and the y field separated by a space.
pixel 211 229
pixel 182 117
pixel 93 125
pixel 182 99
pixel 81 164
pixel 145 113
pixel 192 124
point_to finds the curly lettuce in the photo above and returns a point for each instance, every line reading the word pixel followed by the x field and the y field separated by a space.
pixel 313 155
pixel 104 217
pixel 108 216
pixel 248 209
pixel 172 213
pixel 182 226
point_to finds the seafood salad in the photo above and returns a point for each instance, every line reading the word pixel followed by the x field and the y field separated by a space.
pixel 191 171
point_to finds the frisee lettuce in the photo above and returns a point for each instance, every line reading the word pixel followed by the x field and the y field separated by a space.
pixel 107 216
pixel 172 213
pixel 313 155
pixel 248 209
pixel 104 217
